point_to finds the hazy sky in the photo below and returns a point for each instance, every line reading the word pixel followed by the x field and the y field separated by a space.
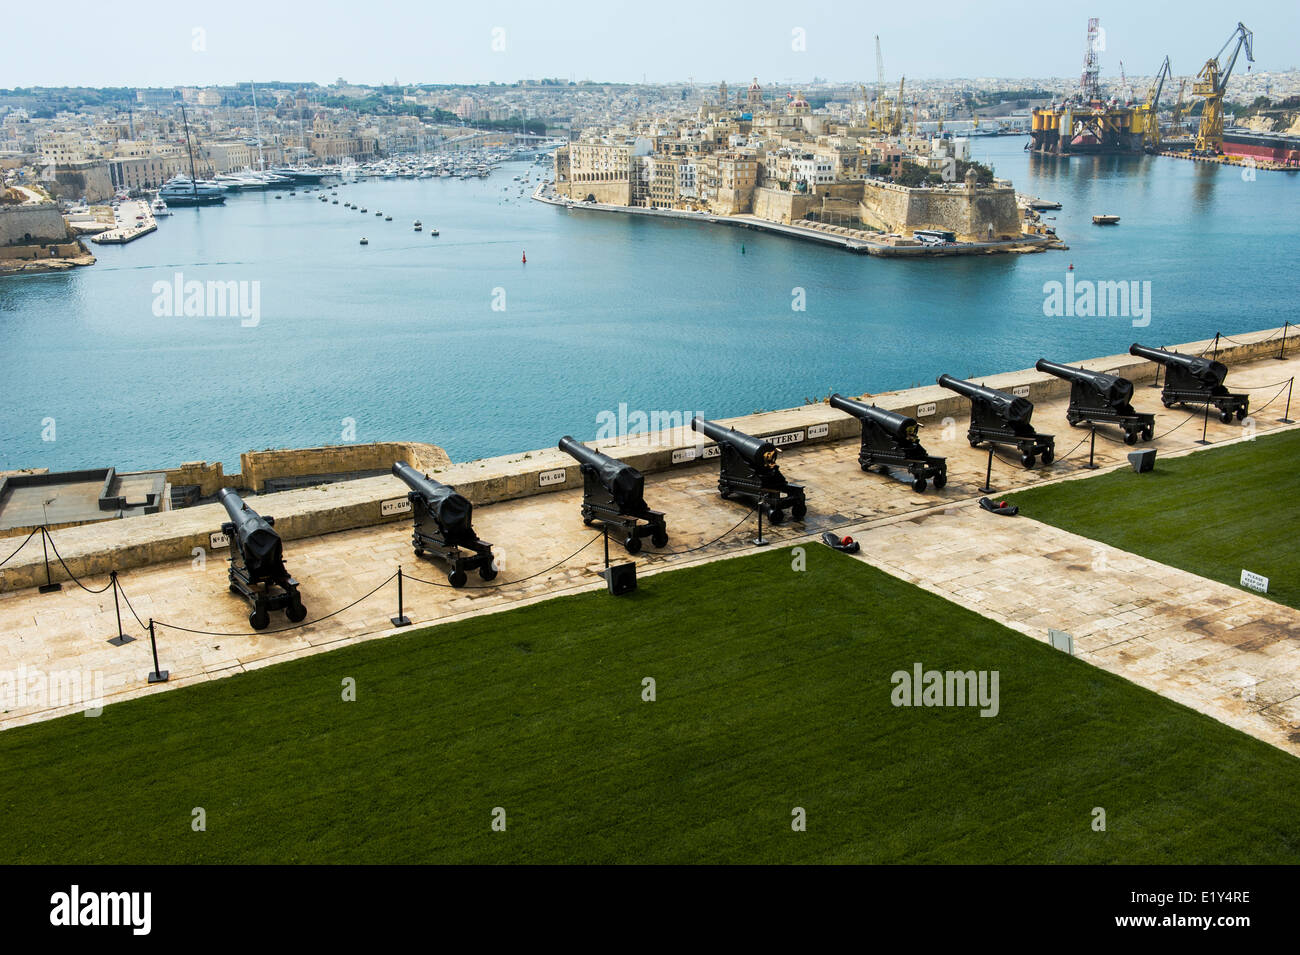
pixel 153 43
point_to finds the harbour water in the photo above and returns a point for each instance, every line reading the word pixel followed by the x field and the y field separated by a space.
pixel 454 340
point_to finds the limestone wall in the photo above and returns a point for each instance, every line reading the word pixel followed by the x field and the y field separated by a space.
pixel 257 467
pixel 24 224
pixel 968 212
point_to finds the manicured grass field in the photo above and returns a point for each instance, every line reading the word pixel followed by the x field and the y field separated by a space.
pixel 773 692
pixel 1213 513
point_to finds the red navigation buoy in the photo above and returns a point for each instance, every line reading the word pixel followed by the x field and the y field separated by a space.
pixel 525 258
pixel 1071 268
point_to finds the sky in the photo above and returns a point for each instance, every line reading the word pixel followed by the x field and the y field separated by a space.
pixel 153 43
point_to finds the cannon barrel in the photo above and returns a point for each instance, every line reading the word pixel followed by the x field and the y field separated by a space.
pixel 1112 389
pixel 258 541
pixel 899 425
pixel 756 451
pixel 1205 370
pixel 450 509
pixel 1008 407
pixel 622 480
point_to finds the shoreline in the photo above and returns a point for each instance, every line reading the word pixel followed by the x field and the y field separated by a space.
pixel 1024 244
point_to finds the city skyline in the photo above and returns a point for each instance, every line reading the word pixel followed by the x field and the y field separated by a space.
pixel 508 42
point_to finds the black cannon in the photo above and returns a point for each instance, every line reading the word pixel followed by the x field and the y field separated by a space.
pixel 257 563
pixel 749 471
pixel 613 493
pixel 443 527
pixel 889 438
pixel 1195 380
pixel 1000 418
pixel 1097 397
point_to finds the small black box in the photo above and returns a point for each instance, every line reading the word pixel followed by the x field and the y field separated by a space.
pixel 1143 461
pixel 621 578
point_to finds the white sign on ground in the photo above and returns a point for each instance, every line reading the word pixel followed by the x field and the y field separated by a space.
pixel 1254 581
pixel 1062 641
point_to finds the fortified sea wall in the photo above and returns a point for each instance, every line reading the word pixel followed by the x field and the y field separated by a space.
pixel 25 224
pixel 118 545
pixel 970 212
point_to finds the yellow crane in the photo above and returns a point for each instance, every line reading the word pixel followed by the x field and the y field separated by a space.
pixel 1212 82
pixel 1180 106
pixel 1148 112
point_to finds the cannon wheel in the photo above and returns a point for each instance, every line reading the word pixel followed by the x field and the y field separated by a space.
pixel 775 515
pixel 587 520
pixel 1130 437
pixel 866 467
pixel 659 538
pixel 940 481
pixel 258 619
pixel 1048 455
pixel 632 544
pixel 974 442
pixel 1027 459
pixel 296 611
pixel 1148 433
pixel 799 511
pixel 234 589
pixel 419 551
pixel 1167 403
pixel 487 572
pixel 919 485
pixel 1225 416
pixel 457 578
pixel 1073 421
pixel 1241 414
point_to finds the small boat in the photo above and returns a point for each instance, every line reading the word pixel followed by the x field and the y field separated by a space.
pixel 388 218
pixel 418 225
pixel 434 232
pixel 379 213
pixel 159 208
pixel 1105 220
pixel 365 241
pixel 336 202
pixel 363 209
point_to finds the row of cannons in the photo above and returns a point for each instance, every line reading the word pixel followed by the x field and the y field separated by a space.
pixel 614 491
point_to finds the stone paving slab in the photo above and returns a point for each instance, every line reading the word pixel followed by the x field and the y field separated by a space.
pixel 1045 579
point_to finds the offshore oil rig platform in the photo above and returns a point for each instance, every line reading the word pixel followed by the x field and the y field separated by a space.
pixel 1091 124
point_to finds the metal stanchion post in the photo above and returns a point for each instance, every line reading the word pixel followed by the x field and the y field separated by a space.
pixel 1281 354
pixel 1092 447
pixel 49 586
pixel 157 676
pixel 401 620
pixel 121 637
pixel 1205 424
pixel 1286 415
pixel 760 540
pixel 988 475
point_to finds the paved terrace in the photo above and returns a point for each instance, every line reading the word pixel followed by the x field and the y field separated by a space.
pixel 1144 626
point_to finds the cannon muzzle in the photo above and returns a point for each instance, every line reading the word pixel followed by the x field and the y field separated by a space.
pixel 1205 370
pixel 1010 408
pixel 899 426
pixel 623 481
pixel 1111 389
pixel 257 539
pixel 756 451
pixel 452 511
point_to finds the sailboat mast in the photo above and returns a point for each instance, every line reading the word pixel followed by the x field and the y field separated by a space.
pixel 257 125
pixel 194 179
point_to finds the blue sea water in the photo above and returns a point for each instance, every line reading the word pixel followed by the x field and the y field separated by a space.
pixel 401 339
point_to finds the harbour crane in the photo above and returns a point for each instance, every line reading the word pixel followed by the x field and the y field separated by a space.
pixel 1180 107
pixel 880 78
pixel 1212 82
pixel 1149 111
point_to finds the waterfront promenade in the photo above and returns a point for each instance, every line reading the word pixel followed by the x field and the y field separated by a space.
pixel 132 219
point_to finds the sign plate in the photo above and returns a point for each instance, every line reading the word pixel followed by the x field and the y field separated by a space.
pixel 710 452
pixel 818 431
pixel 398 505
pixel 924 411
pixel 683 454
pixel 547 478
pixel 218 540
pixel 790 437
pixel 1061 641
pixel 1020 391
pixel 1254 581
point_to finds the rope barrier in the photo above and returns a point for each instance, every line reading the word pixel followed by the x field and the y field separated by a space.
pixel 692 550
pixel 485 586
pixel 20 547
pixel 68 571
pixel 296 626
pixel 1225 338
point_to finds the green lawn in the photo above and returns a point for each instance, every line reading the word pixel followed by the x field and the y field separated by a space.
pixel 773 692
pixel 1213 513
